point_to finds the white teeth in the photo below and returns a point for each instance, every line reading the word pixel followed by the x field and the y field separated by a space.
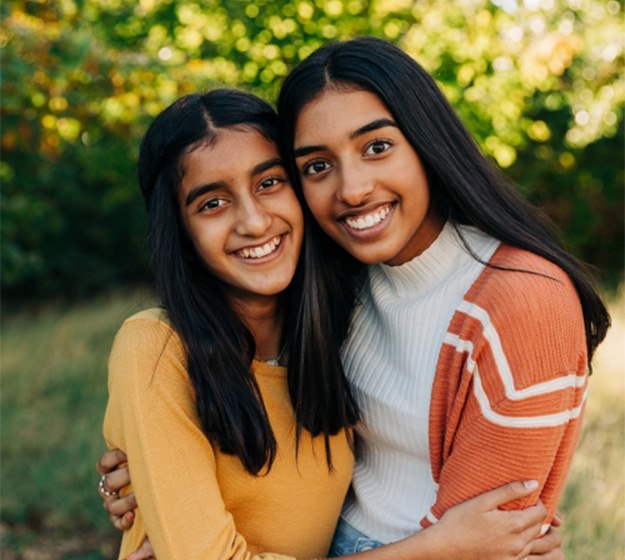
pixel 368 221
pixel 258 252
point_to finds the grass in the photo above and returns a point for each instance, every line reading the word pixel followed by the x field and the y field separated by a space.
pixel 53 394
pixel 593 504
pixel 53 398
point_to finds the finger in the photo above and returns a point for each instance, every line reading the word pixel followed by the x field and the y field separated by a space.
pixel 123 522
pixel 117 479
pixel 506 493
pixel 117 522
pixel 138 555
pixel 121 505
pixel 110 460
pixel 552 540
pixel 529 536
pixel 144 552
pixel 103 490
pixel 530 518
pixel 553 555
pixel 127 520
pixel 524 553
pixel 557 520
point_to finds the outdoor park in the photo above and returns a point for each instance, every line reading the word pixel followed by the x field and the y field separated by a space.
pixel 539 83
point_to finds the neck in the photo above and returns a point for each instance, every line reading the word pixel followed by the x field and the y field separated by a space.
pixel 426 234
pixel 262 317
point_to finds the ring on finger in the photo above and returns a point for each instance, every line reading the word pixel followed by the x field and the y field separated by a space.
pixel 103 489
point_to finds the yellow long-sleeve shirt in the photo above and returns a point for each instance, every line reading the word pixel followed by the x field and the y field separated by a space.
pixel 196 502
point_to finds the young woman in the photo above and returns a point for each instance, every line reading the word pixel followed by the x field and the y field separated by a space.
pixel 232 456
pixel 469 350
pixel 198 389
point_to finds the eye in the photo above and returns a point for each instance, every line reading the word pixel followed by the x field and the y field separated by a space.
pixel 270 182
pixel 315 167
pixel 377 147
pixel 212 204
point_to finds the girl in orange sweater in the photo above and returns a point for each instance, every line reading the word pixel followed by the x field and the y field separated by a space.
pixel 469 347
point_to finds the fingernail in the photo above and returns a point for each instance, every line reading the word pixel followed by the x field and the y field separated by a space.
pixel 530 484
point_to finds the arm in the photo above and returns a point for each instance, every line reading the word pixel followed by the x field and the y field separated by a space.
pixel 459 535
pixel 509 391
pixel 151 416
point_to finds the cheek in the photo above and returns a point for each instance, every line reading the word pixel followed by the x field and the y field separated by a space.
pixel 291 209
pixel 317 203
pixel 422 196
pixel 205 240
pixel 414 185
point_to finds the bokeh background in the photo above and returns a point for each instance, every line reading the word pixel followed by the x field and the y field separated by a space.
pixel 539 83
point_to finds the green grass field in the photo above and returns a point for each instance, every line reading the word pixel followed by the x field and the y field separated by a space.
pixel 53 393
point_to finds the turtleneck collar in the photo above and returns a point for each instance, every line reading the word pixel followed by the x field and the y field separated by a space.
pixel 443 259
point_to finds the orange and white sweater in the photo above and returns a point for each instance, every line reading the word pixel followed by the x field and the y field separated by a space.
pixel 468 377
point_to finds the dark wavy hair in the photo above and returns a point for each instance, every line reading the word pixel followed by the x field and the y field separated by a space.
pixel 465 187
pixel 218 345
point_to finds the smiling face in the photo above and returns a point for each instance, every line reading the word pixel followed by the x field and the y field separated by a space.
pixel 241 213
pixel 362 179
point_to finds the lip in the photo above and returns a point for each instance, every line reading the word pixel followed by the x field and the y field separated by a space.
pixel 374 230
pixel 264 259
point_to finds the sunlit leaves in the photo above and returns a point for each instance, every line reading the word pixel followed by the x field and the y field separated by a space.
pixel 538 82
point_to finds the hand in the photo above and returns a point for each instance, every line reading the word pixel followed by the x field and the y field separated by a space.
pixel 120 508
pixel 547 547
pixel 144 552
pixel 478 530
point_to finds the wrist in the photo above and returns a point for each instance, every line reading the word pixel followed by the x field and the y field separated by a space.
pixel 431 544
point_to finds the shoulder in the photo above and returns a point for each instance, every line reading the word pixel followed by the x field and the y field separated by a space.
pixel 521 282
pixel 155 317
pixel 527 309
pixel 145 343
pixel 148 329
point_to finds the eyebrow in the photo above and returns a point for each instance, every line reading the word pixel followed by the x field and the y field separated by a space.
pixel 196 192
pixel 200 190
pixel 373 125
pixel 266 165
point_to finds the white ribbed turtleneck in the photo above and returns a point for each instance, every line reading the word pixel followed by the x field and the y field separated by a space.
pixel 390 359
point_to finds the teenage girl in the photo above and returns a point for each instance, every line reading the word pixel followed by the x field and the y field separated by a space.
pixel 198 389
pixel 469 350
pixel 232 455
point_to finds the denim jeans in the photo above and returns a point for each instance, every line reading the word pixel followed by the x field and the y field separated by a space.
pixel 348 540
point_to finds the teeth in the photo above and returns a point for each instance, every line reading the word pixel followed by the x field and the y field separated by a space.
pixel 258 252
pixel 368 221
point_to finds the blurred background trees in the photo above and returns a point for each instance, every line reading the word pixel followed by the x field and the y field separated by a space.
pixel 538 82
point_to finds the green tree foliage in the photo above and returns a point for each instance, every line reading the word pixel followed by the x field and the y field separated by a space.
pixel 539 83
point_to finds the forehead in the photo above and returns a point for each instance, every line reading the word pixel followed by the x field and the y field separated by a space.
pixel 234 152
pixel 337 113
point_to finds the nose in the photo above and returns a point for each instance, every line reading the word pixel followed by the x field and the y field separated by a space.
pixel 252 218
pixel 356 185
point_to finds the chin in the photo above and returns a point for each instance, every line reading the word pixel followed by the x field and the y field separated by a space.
pixel 371 257
pixel 275 288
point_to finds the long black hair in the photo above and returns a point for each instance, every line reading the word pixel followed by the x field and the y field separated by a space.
pixel 465 187
pixel 218 345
